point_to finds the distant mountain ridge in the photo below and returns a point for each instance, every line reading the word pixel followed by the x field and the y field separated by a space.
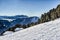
pixel 25 21
pixel 13 17
pixel 19 20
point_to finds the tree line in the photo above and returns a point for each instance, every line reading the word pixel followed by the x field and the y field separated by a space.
pixel 51 15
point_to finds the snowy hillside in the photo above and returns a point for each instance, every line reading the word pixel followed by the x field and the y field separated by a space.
pixel 45 31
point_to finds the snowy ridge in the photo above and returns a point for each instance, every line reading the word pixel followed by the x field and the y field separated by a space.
pixel 46 31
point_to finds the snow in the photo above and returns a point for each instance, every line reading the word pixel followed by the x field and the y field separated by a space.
pixel 18 29
pixel 9 19
pixel 8 32
pixel 45 31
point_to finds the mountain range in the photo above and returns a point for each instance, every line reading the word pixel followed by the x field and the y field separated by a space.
pixel 18 19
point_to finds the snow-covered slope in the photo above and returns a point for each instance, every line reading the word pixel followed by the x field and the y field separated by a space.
pixel 46 31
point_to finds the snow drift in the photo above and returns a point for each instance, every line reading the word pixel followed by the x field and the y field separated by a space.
pixel 46 31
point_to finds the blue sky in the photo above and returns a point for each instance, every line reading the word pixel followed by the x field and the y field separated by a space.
pixel 26 7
